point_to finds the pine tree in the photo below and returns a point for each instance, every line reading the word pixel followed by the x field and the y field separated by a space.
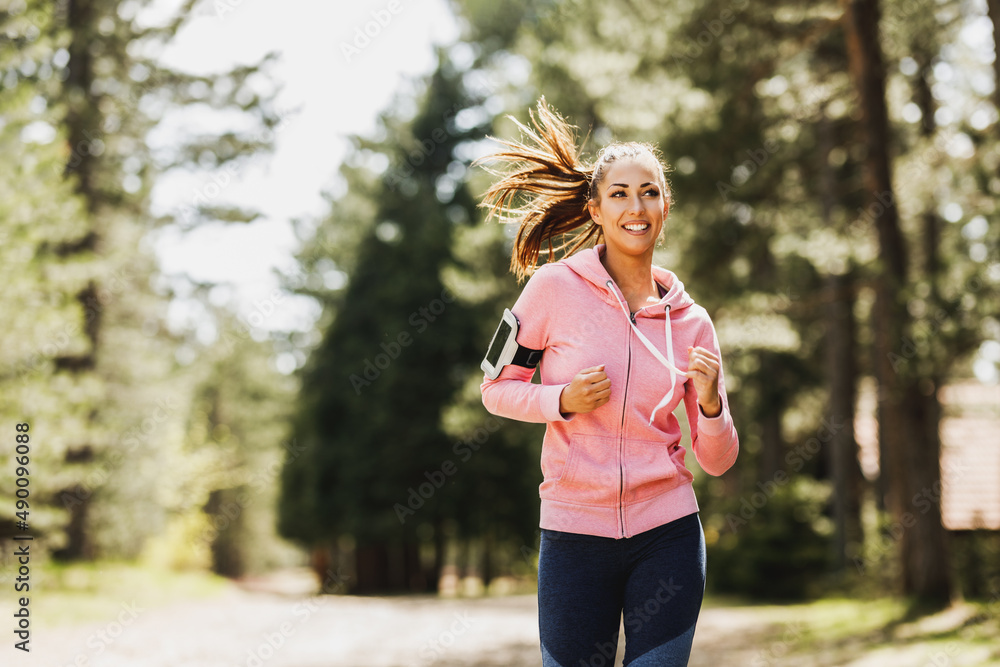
pixel 389 362
pixel 400 451
pixel 97 369
pixel 39 213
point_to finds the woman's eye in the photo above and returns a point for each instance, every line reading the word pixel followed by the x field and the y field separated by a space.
pixel 618 193
pixel 653 192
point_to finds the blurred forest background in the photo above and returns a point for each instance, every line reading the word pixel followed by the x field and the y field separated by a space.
pixel 835 173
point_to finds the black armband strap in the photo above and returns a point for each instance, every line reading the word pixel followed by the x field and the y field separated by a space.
pixel 526 357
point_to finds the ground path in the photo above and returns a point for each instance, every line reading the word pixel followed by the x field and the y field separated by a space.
pixel 268 627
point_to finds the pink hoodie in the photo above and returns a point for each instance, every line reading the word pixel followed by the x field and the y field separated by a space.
pixel 618 470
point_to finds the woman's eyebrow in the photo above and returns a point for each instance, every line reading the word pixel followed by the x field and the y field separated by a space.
pixel 625 185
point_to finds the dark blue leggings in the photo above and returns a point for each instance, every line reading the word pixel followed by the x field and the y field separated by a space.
pixel 586 583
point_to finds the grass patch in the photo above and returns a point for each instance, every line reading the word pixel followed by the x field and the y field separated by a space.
pixel 883 632
pixel 83 592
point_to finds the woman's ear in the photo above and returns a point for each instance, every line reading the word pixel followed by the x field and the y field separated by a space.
pixel 595 211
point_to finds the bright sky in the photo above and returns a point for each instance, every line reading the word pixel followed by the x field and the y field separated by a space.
pixel 335 94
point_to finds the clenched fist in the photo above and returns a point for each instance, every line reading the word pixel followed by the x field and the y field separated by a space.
pixel 703 369
pixel 589 390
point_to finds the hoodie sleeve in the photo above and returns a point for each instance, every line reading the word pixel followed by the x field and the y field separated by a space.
pixel 512 394
pixel 714 439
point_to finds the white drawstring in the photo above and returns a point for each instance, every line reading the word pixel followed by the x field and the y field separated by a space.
pixel 668 362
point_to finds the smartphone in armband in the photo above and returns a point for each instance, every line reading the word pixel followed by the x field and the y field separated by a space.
pixel 504 349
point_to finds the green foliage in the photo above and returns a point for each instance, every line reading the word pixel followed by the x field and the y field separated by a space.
pixel 38 214
pixel 77 593
pixel 977 564
pixel 228 464
pixel 87 360
pixel 771 544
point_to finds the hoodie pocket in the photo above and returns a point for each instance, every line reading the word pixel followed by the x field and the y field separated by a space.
pixel 591 475
pixel 649 470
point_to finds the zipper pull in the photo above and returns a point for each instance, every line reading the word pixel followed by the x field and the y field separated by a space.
pixel 632 315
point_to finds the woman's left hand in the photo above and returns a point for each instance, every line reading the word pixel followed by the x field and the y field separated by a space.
pixel 703 369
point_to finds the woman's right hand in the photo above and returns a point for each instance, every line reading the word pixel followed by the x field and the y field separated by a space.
pixel 589 390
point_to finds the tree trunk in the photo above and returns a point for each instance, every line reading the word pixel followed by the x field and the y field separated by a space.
pixel 842 372
pixel 911 447
pixel 487 558
pixel 440 549
pixel 320 561
pixel 923 393
pixel 772 444
pixel 77 501
pixel 372 568
pixel 226 546
pixel 82 114
pixel 82 117
pixel 770 408
pixel 842 450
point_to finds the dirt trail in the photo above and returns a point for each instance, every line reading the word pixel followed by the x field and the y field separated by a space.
pixel 243 628
pixel 267 628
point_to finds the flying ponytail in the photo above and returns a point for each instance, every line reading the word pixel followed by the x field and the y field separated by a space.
pixel 546 165
pixel 547 168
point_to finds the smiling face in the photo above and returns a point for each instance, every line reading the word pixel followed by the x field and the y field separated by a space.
pixel 631 206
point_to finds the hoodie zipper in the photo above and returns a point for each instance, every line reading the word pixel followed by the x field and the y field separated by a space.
pixel 621 441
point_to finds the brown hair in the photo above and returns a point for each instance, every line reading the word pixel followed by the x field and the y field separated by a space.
pixel 545 172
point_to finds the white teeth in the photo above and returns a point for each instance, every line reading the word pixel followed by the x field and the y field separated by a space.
pixel 636 227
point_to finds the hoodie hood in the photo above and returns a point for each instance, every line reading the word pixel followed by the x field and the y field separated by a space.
pixel 587 264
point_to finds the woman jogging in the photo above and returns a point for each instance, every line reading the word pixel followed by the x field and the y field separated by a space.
pixel 621 345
